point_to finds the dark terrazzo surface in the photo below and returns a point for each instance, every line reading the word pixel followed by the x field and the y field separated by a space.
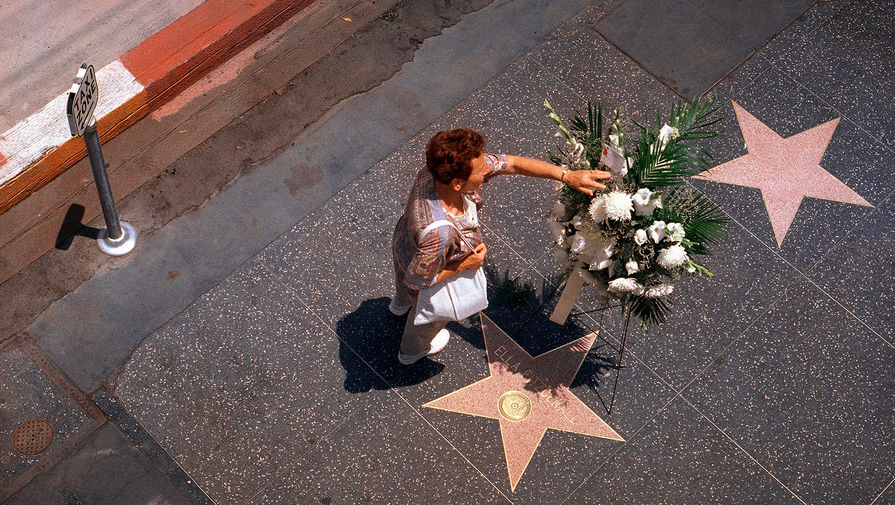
pixel 679 457
pixel 27 393
pixel 105 469
pixel 770 383
pixel 787 108
pixel 807 391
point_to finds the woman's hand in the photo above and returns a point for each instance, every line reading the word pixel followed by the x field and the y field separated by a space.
pixel 476 259
pixel 585 181
pixel 471 262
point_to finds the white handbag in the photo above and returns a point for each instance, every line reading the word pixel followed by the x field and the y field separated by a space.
pixel 455 298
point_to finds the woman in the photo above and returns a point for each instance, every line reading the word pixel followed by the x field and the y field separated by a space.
pixel 456 167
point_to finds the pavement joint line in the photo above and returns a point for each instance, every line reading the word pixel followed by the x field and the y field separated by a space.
pixel 116 412
pixel 51 458
pixel 883 491
pixel 621 447
pixel 392 388
pixel 804 275
pixel 634 60
pixel 788 74
pixel 747 453
pixel 852 314
pixel 251 496
pixel 752 323
pixel 40 358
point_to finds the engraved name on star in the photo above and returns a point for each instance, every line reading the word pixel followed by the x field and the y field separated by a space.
pixel 786 170
pixel 527 395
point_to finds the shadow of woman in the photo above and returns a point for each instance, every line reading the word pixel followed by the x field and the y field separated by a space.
pixel 369 338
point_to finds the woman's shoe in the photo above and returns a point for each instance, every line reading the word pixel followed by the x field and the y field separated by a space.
pixel 438 343
pixel 398 310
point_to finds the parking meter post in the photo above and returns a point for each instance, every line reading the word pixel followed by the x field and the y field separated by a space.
pixel 101 177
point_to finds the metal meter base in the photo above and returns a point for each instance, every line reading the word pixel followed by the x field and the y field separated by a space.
pixel 123 245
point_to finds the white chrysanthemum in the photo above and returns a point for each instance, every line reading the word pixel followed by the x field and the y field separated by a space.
pixel 672 257
pixel 618 205
pixel 597 209
pixel 625 286
pixel 632 267
pixel 640 237
pixel 675 231
pixel 658 291
pixel 656 231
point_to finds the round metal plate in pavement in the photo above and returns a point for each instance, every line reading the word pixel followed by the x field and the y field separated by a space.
pixel 32 437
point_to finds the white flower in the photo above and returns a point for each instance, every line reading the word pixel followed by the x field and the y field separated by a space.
pixel 601 253
pixel 616 205
pixel 656 231
pixel 597 210
pixel 690 268
pixel 658 291
pixel 640 237
pixel 672 257
pixel 625 286
pixel 558 230
pixel 645 202
pixel 577 151
pixel 614 139
pixel 667 133
pixel 559 212
pixel 632 267
pixel 675 231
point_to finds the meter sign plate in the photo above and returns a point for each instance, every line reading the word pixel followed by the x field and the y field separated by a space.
pixel 82 98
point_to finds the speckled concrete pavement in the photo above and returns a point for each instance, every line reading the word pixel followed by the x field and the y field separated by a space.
pixel 279 384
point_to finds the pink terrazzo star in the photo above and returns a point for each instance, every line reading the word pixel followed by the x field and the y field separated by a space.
pixel 527 395
pixel 785 169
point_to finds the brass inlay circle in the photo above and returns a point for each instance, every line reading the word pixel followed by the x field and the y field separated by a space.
pixel 514 405
pixel 32 437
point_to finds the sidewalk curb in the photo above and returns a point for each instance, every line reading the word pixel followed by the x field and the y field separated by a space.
pixel 40 147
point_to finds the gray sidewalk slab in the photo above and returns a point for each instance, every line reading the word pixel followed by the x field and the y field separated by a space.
pixel 679 457
pixel 27 393
pixel 240 383
pixel 382 453
pixel 105 469
pixel 806 391
pixel 868 249
pixel 847 61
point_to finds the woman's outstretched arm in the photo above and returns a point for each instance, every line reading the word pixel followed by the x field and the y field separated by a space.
pixel 582 180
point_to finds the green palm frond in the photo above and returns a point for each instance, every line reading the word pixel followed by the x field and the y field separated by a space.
pixel 650 311
pixel 703 220
pixel 654 167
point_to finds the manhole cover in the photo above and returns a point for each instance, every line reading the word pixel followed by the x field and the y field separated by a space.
pixel 514 405
pixel 32 437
